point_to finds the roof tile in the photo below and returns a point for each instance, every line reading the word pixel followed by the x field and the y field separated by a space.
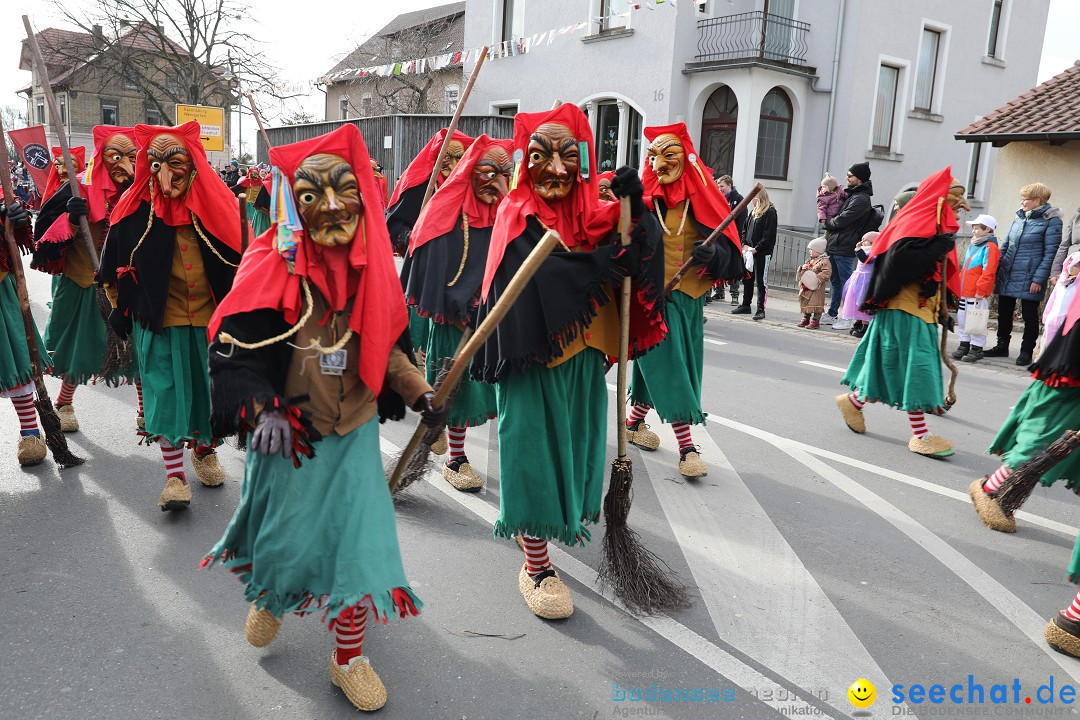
pixel 1049 109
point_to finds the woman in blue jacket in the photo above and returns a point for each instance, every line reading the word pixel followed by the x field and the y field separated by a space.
pixel 1024 270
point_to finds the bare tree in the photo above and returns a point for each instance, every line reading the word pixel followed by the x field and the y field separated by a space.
pixel 13 118
pixel 299 117
pixel 172 51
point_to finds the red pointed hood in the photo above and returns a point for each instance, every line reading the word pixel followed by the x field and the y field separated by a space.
pixel 207 198
pixel 456 197
pixel 707 203
pixel 419 170
pixel 363 270
pixel 97 185
pixel 78 157
pixel 580 219
pixel 927 214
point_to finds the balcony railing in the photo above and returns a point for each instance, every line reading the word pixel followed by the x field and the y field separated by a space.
pixel 753 36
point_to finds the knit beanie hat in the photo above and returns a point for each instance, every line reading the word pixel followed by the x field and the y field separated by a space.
pixel 816 245
pixel 860 170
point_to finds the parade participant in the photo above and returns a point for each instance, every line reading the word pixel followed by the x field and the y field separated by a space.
pixel 318 532
pixel 168 260
pixel 689 207
pixel 548 356
pixel 250 188
pixel 409 189
pixel 380 179
pixel 76 334
pixel 449 247
pixel 897 362
pixel 16 373
pixel 604 184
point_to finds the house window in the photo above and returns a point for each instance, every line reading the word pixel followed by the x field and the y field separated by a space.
pixel 153 117
pixel 451 98
pixel 41 111
pixel 995 28
pixel 343 108
pixel 172 85
pixel 513 20
pixel 885 108
pixel 774 136
pixel 506 110
pixel 973 169
pixel 131 79
pixel 110 113
pixel 719 122
pixel 635 131
pixel 63 110
pixel 365 105
pixel 607 135
pixel 613 14
pixel 927 69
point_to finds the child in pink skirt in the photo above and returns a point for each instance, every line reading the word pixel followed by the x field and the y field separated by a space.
pixel 855 287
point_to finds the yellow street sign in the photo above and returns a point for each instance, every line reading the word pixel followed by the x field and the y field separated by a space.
pixel 210 119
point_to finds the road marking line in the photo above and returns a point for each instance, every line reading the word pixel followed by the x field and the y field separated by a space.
pixel 752 582
pixel 823 366
pixel 1009 605
pixel 698 647
pixel 715 342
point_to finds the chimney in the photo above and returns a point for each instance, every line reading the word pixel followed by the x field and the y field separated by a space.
pixel 99 37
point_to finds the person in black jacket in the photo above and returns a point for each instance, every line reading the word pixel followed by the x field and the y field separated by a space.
pixel 733 197
pixel 760 237
pixel 844 232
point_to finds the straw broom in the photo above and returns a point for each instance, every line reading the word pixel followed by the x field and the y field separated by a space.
pixel 50 421
pixel 1017 488
pixel 117 352
pixel 413 462
pixel 644 582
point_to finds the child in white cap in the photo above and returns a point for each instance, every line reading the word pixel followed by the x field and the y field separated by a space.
pixel 977 283
pixel 812 277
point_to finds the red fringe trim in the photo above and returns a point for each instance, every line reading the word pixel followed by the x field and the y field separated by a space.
pixel 1056 379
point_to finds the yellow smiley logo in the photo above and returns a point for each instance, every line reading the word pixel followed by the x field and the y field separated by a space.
pixel 862 693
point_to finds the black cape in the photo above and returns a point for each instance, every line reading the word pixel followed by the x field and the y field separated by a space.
pixel 908 260
pixel 434 266
pixel 48 257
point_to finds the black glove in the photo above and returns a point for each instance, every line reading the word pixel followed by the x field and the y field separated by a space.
pixel 76 208
pixel 703 253
pixel 627 184
pixel 428 414
pixel 628 259
pixel 120 323
pixel 273 434
pixel 17 213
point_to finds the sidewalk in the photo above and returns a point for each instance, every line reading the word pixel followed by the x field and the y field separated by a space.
pixel 782 311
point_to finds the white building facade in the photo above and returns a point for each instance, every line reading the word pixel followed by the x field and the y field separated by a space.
pixel 776 91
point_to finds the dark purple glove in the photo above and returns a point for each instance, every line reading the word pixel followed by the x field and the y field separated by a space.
pixel 273 434
pixel 428 414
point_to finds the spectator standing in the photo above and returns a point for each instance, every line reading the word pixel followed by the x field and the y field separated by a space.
pixel 812 291
pixel 1070 243
pixel 232 173
pixel 1026 258
pixel 760 237
pixel 733 197
pixel 844 232
pixel 976 284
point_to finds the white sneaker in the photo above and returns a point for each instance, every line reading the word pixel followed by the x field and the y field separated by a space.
pixel 827 319
pixel 842 325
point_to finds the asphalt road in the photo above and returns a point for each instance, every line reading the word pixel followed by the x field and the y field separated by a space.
pixel 814 556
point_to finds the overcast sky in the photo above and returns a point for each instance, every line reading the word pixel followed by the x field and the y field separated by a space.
pixel 306 39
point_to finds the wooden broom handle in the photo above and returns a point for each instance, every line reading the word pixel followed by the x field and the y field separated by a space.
pixel 624 331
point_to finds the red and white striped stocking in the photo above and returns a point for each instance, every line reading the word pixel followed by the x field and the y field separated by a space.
pixel 637 414
pixel 859 404
pixel 918 424
pixel 67 394
pixel 174 460
pixel 24 408
pixel 349 637
pixel 996 480
pixel 682 435
pixel 138 392
pixel 536 555
pixel 455 438
pixel 1073 611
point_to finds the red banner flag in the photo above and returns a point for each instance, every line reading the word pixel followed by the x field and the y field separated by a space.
pixel 33 150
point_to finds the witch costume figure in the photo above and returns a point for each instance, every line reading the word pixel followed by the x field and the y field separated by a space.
pixel 689 207
pixel 448 248
pixel 169 259
pixel 255 198
pixel 897 362
pixel 549 355
pixel 310 354
pixel 76 333
pixel 16 373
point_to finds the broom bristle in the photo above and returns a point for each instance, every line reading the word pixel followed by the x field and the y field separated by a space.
pixel 54 436
pixel 642 581
pixel 420 462
pixel 117 352
pixel 1018 487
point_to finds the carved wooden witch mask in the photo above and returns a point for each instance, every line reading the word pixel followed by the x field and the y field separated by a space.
pixel 170 164
pixel 491 176
pixel 668 158
pixel 328 197
pixel 605 189
pixel 454 153
pixel 119 158
pixel 554 161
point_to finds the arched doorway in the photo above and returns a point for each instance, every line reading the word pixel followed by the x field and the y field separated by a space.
pixel 718 124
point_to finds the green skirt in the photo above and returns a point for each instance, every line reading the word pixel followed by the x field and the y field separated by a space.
pixel 76 335
pixel 15 370
pixel 418 329
pixel 898 364
pixel 474 403
pixel 1041 416
pixel 553 449
pixel 257 220
pixel 175 382
pixel 325 528
pixel 668 377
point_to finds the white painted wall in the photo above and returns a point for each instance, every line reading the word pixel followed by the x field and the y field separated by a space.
pixel 1021 163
